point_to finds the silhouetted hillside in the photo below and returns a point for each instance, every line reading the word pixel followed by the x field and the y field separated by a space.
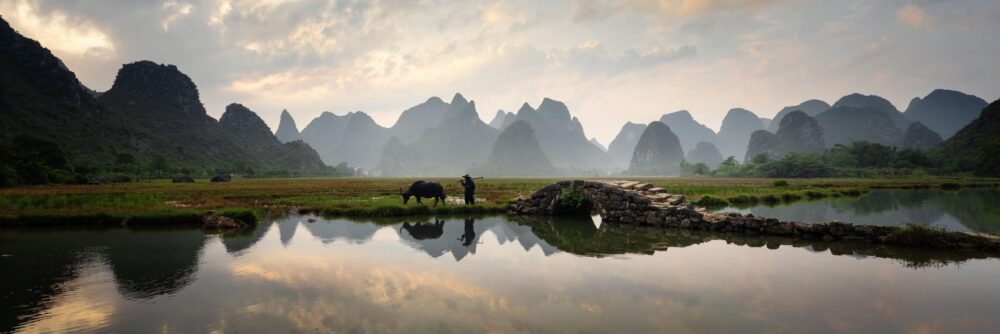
pixel 689 131
pixel 657 153
pixel 516 153
pixel 622 147
pixel 810 107
pixel 976 147
pixel 945 111
pixel 847 124
pixel 287 129
pixel 735 132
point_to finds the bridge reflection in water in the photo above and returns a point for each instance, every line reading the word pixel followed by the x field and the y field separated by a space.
pixel 348 273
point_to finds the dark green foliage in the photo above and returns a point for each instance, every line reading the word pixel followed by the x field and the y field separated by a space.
pixel 780 183
pixel 858 159
pixel 796 165
pixel 572 199
pixel 689 169
pixel 915 235
pixel 743 200
pixel 950 185
pixel 29 160
pixel 244 215
pixel 975 148
pixel 710 201
pixel 815 194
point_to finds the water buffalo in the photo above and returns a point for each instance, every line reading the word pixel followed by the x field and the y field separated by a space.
pixel 426 189
pixel 222 178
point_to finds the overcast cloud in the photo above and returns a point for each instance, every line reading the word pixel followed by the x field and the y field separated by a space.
pixel 610 61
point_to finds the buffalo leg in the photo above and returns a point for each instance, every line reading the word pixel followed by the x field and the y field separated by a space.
pixel 435 202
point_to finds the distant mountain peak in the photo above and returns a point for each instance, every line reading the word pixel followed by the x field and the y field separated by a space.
pixel 860 100
pixel 458 99
pixel 554 110
pixel 920 137
pixel 241 120
pixel 683 113
pixel 525 107
pixel 287 131
pixel 158 84
pixel 945 111
pixel 658 152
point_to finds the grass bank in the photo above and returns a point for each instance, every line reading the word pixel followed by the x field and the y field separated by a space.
pixel 160 200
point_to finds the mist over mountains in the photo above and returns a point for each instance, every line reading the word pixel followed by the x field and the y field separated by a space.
pixel 153 112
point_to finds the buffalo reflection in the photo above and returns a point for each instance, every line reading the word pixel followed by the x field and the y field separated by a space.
pixel 423 231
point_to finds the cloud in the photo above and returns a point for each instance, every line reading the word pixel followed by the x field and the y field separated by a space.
pixel 914 16
pixel 176 10
pixel 58 31
pixel 592 57
pixel 596 10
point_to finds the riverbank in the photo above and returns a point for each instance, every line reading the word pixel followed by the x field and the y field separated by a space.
pixel 159 201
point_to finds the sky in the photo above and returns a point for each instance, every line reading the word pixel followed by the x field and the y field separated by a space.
pixel 610 61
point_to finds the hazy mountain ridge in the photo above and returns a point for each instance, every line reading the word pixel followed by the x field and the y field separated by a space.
pixel 657 153
pixel 287 131
pixel 354 138
pixel 862 101
pixel 516 152
pixel 810 107
pixel 797 133
pixel 562 138
pixel 945 111
pixel 735 132
pixel 154 110
pixel 919 137
pixel 976 147
pixel 450 148
pixel 622 147
pixel 688 130
pixel 706 153
pixel 846 124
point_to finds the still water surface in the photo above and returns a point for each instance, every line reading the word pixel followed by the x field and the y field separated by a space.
pixel 965 210
pixel 481 274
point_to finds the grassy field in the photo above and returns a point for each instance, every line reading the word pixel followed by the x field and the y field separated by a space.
pixel 380 196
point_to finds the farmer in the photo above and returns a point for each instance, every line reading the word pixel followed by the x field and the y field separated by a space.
pixel 470 189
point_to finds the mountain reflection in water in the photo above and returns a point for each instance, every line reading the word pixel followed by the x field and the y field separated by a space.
pixel 963 210
pixel 303 273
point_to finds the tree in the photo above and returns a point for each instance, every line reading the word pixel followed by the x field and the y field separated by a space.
pixel 124 159
pixel 159 164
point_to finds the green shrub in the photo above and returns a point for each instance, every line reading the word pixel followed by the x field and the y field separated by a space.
pixel 710 201
pixel 571 197
pixel 770 199
pixel 244 215
pixel 915 235
pixel 743 200
pixel 790 197
pixel 780 183
pixel 815 194
pixel 950 185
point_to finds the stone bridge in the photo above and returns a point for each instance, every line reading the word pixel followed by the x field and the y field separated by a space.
pixel 637 203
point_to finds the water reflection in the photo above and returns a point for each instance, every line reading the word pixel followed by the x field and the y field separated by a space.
pixel 523 275
pixel 968 209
